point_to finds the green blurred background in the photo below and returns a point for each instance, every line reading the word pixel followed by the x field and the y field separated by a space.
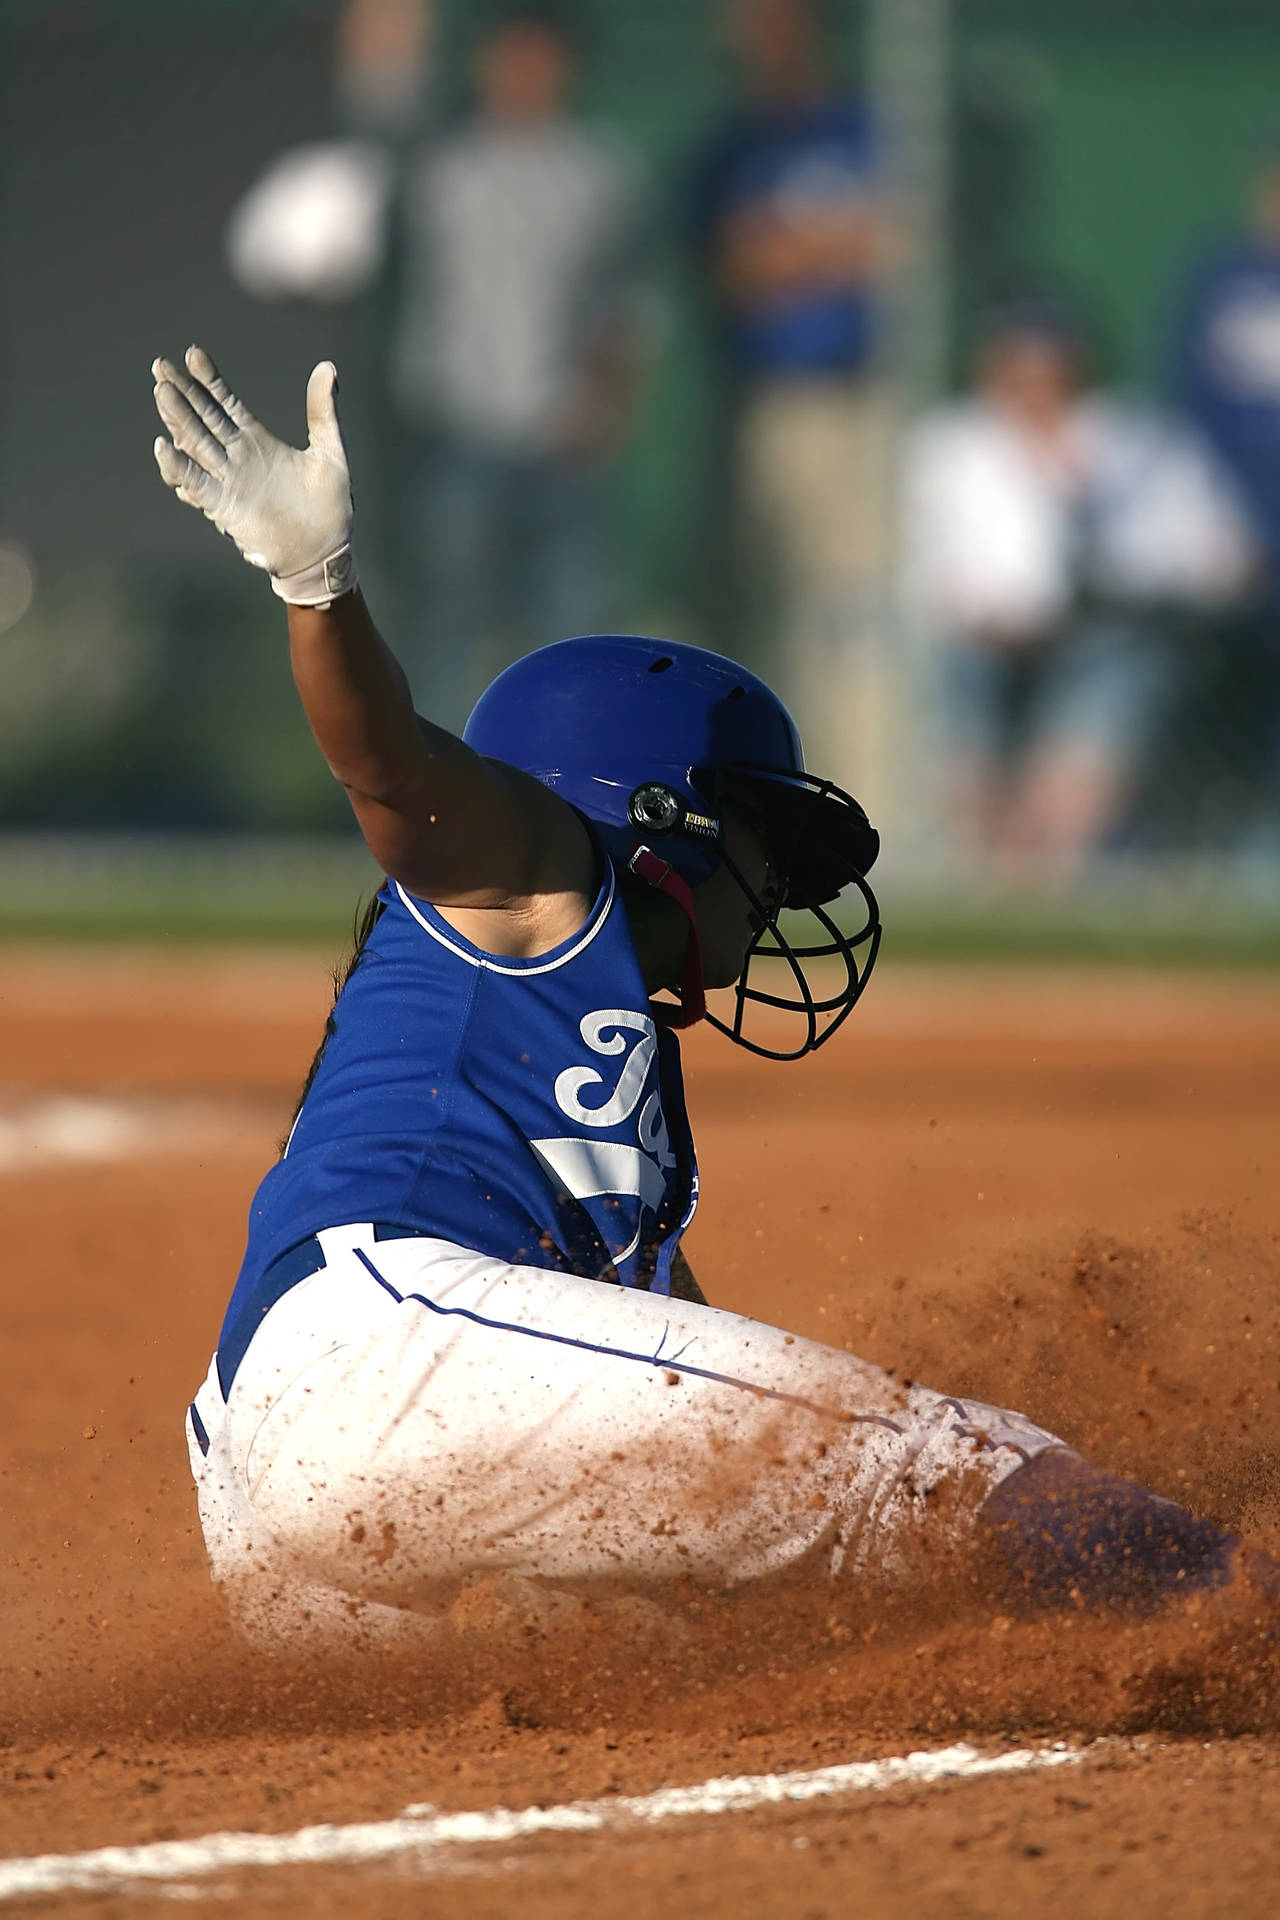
pixel 155 773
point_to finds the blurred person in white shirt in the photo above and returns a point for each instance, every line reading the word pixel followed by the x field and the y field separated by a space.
pixel 1055 540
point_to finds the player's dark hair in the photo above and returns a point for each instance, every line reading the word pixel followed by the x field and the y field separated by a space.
pixel 366 919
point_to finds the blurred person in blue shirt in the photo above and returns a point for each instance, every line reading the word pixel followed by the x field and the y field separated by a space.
pixel 794 239
pixel 1227 354
pixel 1227 377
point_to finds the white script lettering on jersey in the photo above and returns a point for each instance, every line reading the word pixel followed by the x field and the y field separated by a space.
pixel 605 1032
pixel 594 1166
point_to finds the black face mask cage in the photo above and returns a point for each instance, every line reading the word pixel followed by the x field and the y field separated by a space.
pixel 822 1013
pixel 772 944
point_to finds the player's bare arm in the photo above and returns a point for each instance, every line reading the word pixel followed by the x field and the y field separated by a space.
pixel 507 858
pixel 477 838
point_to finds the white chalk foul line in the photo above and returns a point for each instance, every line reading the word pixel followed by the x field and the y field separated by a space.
pixel 421 1830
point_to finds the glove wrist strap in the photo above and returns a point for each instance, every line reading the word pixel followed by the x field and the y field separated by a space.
pixel 319 585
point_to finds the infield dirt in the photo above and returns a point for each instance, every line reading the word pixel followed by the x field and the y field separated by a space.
pixel 1056 1191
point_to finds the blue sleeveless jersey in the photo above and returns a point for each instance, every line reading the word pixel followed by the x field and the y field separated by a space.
pixel 529 1109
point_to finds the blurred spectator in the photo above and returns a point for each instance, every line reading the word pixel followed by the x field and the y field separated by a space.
pixel 1227 377
pixel 1227 356
pixel 518 328
pixel 792 228
pixel 1054 542
pixel 517 347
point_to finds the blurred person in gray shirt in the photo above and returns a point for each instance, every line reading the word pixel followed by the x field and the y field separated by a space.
pixel 519 316
pixel 517 348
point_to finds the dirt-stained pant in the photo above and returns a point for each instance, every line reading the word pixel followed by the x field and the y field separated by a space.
pixel 415 1414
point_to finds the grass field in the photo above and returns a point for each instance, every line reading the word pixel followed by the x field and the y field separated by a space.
pixel 199 889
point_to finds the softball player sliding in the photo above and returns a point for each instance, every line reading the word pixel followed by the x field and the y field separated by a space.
pixel 464 1339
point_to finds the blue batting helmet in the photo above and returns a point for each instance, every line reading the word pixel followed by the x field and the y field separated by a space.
pixel 650 740
pixel 647 738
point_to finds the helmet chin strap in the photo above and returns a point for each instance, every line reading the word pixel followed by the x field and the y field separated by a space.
pixel 662 876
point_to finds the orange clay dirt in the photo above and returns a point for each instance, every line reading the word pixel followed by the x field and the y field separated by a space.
pixel 1052 1190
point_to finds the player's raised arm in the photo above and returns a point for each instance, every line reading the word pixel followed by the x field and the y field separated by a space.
pixel 455 828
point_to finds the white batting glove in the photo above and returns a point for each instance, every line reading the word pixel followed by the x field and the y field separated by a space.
pixel 288 510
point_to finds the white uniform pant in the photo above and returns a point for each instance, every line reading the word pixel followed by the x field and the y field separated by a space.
pixel 415 1414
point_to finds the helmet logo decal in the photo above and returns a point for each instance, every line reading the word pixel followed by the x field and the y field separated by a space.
pixel 702 825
